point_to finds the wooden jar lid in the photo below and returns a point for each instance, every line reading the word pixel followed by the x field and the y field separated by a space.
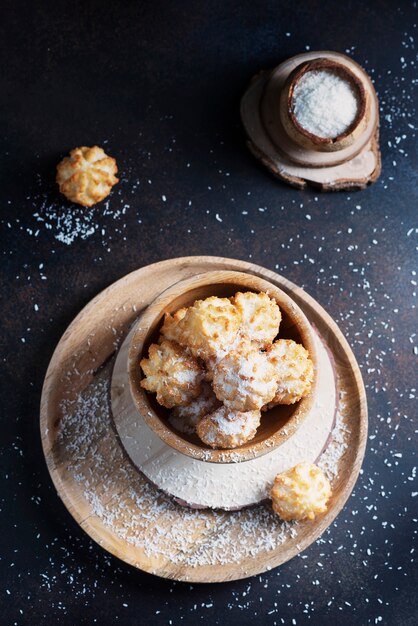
pixel 300 134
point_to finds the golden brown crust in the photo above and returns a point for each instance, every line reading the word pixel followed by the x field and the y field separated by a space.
pixel 301 492
pixel 87 175
pixel 260 317
pixel 226 428
pixel 207 328
pixel 170 328
pixel 185 418
pixel 294 371
pixel 245 379
pixel 172 373
pixel 215 363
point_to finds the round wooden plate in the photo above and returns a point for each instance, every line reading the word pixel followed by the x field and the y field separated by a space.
pixel 115 504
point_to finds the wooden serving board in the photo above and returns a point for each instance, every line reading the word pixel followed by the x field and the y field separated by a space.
pixel 115 504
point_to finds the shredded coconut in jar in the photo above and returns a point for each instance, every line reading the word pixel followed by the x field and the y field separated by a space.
pixel 324 104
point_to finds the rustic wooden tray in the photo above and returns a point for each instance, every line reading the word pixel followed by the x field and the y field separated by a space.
pixel 115 504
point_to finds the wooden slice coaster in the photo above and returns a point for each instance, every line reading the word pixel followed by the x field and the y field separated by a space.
pixel 354 166
pixel 116 505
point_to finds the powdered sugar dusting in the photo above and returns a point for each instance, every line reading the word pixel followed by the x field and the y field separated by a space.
pixel 234 422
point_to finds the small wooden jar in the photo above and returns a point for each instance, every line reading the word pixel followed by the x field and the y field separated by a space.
pixel 303 137
pixel 277 424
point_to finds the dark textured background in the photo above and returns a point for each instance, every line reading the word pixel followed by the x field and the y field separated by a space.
pixel 158 85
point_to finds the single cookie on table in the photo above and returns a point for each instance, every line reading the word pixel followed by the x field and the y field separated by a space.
pixel 207 328
pixel 226 428
pixel 294 372
pixel 301 492
pixel 260 317
pixel 87 175
pixel 185 418
pixel 173 373
pixel 245 379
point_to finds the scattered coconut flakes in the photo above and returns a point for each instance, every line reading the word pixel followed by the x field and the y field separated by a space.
pixel 330 458
pixel 143 516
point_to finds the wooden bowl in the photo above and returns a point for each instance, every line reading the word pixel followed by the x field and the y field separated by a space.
pixel 277 424
pixel 307 139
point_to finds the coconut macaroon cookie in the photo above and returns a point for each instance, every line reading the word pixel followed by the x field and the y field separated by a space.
pixel 260 317
pixel 185 418
pixel 206 328
pixel 301 492
pixel 226 428
pixel 172 373
pixel 170 328
pixel 294 371
pixel 216 366
pixel 87 175
pixel 245 379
